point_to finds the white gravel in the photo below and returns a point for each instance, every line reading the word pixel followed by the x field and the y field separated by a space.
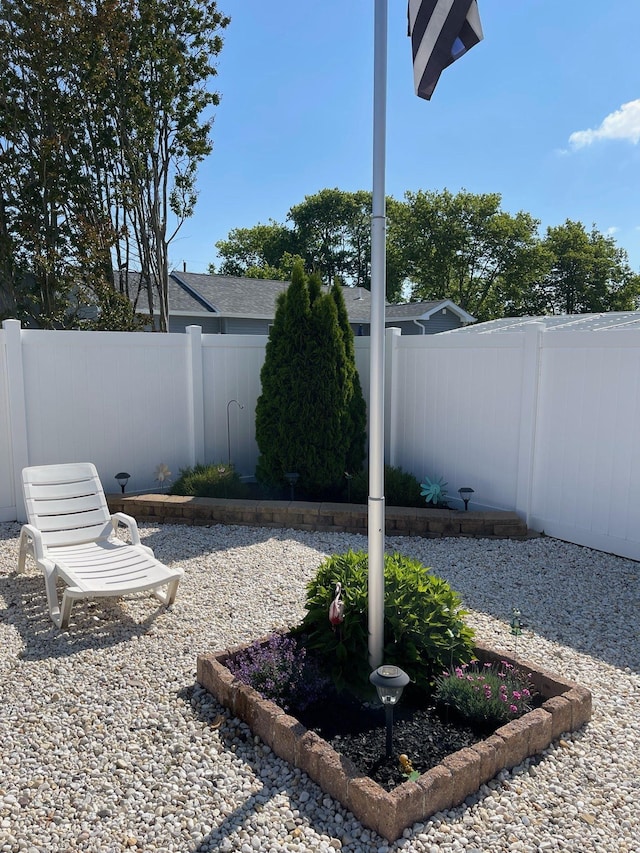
pixel 108 743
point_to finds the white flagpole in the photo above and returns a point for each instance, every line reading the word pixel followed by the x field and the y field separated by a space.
pixel 376 518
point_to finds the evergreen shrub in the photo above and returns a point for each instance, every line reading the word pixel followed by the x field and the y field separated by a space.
pixel 310 416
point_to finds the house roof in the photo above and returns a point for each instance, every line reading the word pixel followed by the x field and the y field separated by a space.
pixel 606 321
pixel 192 293
pixel 236 296
pixel 425 310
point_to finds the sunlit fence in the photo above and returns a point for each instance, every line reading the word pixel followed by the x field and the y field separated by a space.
pixel 541 422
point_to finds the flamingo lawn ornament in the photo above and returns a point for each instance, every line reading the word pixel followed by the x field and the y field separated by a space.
pixel 336 608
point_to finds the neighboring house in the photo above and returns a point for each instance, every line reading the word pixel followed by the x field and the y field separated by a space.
pixel 233 305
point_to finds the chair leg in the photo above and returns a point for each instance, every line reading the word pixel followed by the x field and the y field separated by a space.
pixel 24 548
pixel 168 597
pixel 52 596
pixel 65 611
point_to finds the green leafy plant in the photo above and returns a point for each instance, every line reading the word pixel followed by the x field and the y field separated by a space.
pixel 486 694
pixel 424 629
pixel 401 488
pixel 209 481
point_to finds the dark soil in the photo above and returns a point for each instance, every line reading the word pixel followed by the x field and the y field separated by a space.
pixel 425 734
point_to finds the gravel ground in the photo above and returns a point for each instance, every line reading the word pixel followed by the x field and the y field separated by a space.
pixel 109 745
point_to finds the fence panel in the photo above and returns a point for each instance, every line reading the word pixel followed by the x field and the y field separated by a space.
pixel 586 485
pixel 7 494
pixel 117 399
pixel 231 371
pixel 458 413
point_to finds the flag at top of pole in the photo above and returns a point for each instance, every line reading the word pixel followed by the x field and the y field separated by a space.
pixel 441 31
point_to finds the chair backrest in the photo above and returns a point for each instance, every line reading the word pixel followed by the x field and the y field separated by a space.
pixel 66 503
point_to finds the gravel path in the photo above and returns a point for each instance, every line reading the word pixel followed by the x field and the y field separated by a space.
pixel 109 745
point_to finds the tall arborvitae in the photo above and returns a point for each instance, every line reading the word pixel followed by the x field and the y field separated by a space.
pixel 355 419
pixel 306 417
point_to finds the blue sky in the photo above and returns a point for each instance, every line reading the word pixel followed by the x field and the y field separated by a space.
pixel 545 111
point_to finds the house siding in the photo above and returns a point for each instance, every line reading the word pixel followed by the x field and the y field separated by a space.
pixel 211 324
pixel 439 322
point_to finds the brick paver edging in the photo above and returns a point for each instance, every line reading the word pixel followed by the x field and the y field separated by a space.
pixel 331 517
pixel 566 707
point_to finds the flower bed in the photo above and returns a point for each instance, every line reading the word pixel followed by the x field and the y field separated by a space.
pixel 566 707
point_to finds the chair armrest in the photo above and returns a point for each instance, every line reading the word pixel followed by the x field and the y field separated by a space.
pixel 31 540
pixel 30 543
pixel 129 522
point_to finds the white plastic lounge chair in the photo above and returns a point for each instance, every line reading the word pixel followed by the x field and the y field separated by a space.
pixel 70 535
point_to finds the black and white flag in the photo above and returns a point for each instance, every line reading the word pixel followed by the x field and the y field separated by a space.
pixel 441 31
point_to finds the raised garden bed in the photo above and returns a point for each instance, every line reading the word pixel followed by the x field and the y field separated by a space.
pixel 565 707
pixel 309 515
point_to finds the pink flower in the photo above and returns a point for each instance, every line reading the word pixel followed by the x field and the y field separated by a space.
pixel 516 695
pixel 513 709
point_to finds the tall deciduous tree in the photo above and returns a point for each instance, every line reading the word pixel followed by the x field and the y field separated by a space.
pixel 588 274
pixel 102 127
pixel 330 230
pixel 463 247
pixel 310 414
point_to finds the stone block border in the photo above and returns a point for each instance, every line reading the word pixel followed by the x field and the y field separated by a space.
pixel 566 707
pixel 328 517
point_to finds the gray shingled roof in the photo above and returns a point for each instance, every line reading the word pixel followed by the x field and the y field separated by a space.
pixel 412 310
pixel 235 296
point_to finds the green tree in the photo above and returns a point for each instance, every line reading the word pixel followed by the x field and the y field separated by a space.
pixel 588 274
pixel 306 417
pixel 463 247
pixel 102 127
pixel 330 231
pixel 258 248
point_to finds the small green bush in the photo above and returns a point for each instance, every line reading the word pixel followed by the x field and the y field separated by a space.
pixel 400 488
pixel 209 481
pixel 424 631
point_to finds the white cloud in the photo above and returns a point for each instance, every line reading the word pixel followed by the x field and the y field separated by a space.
pixel 612 230
pixel 621 124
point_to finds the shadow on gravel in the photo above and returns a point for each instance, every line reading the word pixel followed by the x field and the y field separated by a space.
pixel 98 624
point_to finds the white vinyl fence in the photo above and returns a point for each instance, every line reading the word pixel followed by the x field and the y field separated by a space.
pixel 541 422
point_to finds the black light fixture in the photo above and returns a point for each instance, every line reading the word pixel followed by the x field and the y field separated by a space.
pixel 292 478
pixel 123 479
pixel 465 496
pixel 389 681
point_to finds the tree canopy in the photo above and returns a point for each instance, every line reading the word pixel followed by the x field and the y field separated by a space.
pixel 102 127
pixel 441 245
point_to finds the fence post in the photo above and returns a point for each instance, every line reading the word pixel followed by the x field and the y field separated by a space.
pixel 17 411
pixel 196 394
pixel 533 343
pixel 392 339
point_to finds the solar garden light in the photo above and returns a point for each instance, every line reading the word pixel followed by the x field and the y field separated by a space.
pixel 292 478
pixel 389 681
pixel 123 479
pixel 465 495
